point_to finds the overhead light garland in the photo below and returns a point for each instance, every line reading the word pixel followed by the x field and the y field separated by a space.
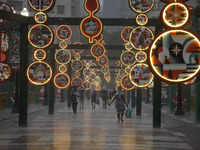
pixel 40 36
pixel 174 55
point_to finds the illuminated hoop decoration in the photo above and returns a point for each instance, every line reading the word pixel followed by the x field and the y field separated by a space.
pixel 128 58
pixel 40 36
pixel 174 55
pixel 77 51
pixel 5 7
pixel 78 82
pixel 39 54
pixel 39 73
pixel 140 75
pixel 97 50
pixel 141 6
pixel 103 60
pixel 141 37
pixel 125 33
pixel 40 17
pixel 61 80
pixel 179 56
pixel 128 46
pixel 126 83
pixel 127 69
pixel 91 26
pixel 87 72
pixel 63 57
pixel 141 56
pixel 175 15
pixel 77 65
pixel 141 19
pixel 87 85
pixel 5 73
pixel 41 5
pixel 105 69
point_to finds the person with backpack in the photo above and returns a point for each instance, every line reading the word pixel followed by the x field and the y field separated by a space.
pixel 119 103
pixel 75 96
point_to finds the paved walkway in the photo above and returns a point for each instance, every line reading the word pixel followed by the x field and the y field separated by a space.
pixel 90 129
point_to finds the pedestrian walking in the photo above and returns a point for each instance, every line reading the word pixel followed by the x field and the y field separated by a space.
pixel 75 97
pixel 93 97
pixel 104 95
pixel 120 103
pixel 82 94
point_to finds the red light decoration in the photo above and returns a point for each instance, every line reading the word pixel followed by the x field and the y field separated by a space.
pixel 126 83
pixel 91 26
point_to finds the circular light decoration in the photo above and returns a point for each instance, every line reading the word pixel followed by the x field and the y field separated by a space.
pixel 175 56
pixel 5 7
pixel 141 6
pixel 171 1
pixel 62 68
pixel 78 82
pixel 97 50
pixel 63 44
pixel 128 46
pixel 140 75
pixel 91 27
pixel 63 56
pixel 61 80
pixel 141 56
pixel 141 19
pixel 127 70
pixel 41 5
pixel 87 85
pixel 88 61
pixel 93 76
pixel 77 65
pixel 103 60
pixel 105 69
pixel 77 51
pixel 141 37
pixel 77 74
pixel 77 56
pixel 39 73
pixel 5 72
pixel 128 58
pixel 86 72
pixel 40 36
pixel 3 57
pixel 4 42
pixel 40 17
pixel 126 83
pixel 63 32
pixel 39 54
pixel 175 15
pixel 125 33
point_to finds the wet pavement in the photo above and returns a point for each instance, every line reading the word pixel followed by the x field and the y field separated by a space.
pixel 97 129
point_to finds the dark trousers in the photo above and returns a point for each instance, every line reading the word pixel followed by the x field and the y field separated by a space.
pixel 74 107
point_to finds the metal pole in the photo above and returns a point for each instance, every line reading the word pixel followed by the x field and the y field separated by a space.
pixel 179 109
pixel 23 79
pixel 157 103
pixel 139 102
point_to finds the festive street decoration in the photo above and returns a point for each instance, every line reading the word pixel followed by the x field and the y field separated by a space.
pixel 5 7
pixel 40 36
pixel 62 57
pixel 174 55
pixel 91 26
pixel 126 83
